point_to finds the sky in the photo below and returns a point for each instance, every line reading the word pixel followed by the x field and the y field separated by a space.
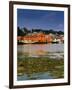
pixel 40 19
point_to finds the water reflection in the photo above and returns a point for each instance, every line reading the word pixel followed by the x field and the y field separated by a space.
pixel 40 61
pixel 34 76
pixel 35 50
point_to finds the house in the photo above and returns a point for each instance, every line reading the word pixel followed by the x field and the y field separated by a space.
pixel 40 38
pixel 48 38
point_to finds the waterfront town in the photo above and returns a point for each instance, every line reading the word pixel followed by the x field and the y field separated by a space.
pixel 40 38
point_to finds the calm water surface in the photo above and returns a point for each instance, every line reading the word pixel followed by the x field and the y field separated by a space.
pixel 35 50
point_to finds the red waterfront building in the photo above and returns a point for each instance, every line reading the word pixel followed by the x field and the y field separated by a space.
pixel 36 37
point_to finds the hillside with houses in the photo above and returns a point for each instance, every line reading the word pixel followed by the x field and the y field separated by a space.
pixel 39 36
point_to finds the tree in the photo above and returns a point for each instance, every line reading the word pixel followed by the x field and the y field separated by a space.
pixel 19 32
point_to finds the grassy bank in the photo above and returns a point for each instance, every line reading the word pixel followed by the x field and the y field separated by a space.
pixel 30 65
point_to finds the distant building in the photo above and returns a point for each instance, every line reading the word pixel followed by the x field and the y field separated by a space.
pixel 40 37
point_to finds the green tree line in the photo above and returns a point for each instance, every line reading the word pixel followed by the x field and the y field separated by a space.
pixel 24 31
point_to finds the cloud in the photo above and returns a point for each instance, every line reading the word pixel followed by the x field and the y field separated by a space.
pixel 60 26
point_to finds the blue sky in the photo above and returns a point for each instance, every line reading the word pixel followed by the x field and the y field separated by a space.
pixel 40 19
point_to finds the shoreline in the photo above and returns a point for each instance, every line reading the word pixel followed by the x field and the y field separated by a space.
pixel 22 43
